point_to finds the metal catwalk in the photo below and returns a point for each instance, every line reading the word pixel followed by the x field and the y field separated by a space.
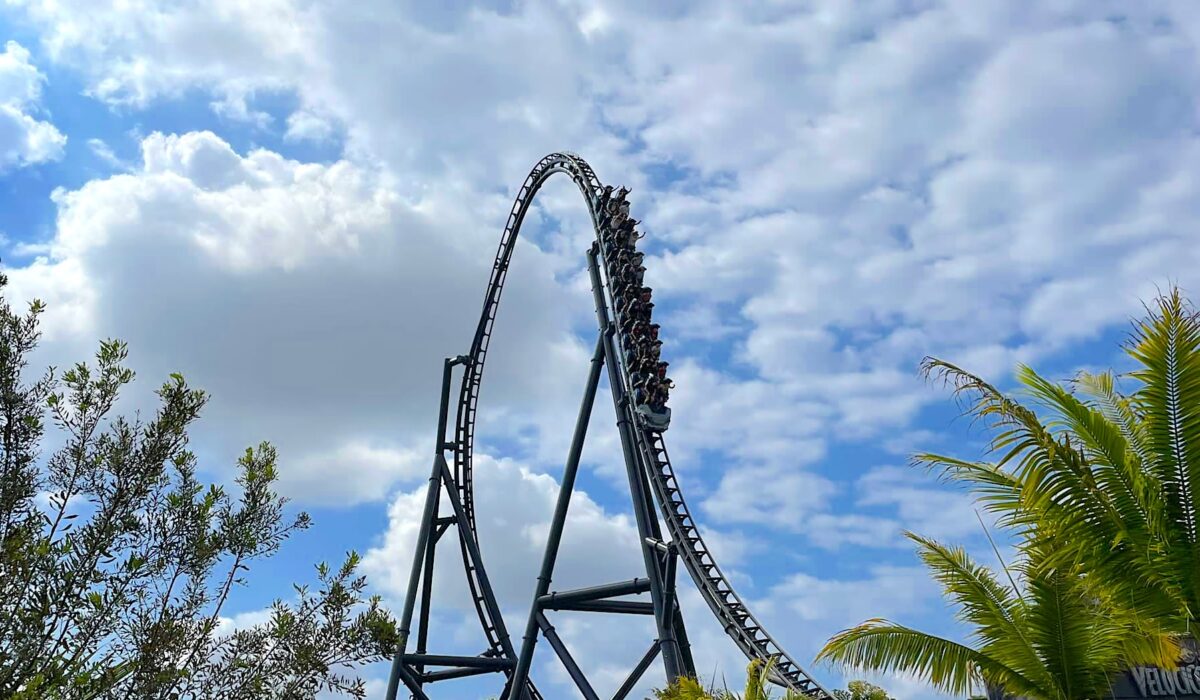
pixel 627 343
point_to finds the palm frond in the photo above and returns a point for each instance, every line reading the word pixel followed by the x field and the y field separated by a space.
pixel 1113 462
pixel 1042 480
pixel 883 646
pixel 996 612
pixel 1101 387
pixel 1167 346
pixel 684 688
pixel 1061 625
pixel 1119 493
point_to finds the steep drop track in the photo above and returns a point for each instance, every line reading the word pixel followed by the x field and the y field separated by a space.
pixel 725 603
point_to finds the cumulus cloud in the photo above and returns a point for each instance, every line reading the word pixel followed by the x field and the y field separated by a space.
pixel 309 299
pixel 769 498
pixel 878 186
pixel 24 139
pixel 937 156
pixel 885 500
pixel 306 126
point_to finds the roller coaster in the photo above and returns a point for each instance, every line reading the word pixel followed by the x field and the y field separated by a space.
pixel 628 344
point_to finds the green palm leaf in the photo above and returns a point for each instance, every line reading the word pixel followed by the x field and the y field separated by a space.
pixel 881 645
pixel 1102 492
pixel 994 611
pixel 1167 347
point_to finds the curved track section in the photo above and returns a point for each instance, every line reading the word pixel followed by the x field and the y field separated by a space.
pixel 747 633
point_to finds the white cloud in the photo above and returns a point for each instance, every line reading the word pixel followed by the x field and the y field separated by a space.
pixel 888 591
pixel 24 140
pixel 310 300
pixel 241 621
pixel 919 126
pixel 766 497
pixel 882 181
pixel 1078 93
pixel 886 500
pixel 307 126
pixel 105 153
pixel 137 54
pixel 940 513
pixel 513 509
pixel 354 472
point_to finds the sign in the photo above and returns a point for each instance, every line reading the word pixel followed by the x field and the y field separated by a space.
pixel 1150 682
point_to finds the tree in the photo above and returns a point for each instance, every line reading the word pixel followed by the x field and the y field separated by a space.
pixel 862 690
pixel 116 561
pixel 1056 637
pixel 1113 477
pixel 1100 489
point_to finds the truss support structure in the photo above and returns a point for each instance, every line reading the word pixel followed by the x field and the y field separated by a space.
pixel 411 668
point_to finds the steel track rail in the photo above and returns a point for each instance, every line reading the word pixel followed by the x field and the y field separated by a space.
pixel 735 617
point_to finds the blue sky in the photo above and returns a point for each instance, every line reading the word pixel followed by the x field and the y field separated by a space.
pixel 295 203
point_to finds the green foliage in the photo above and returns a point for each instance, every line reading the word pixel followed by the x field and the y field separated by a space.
pixel 689 689
pixel 1058 637
pixel 1113 477
pixel 116 561
pixel 1101 490
pixel 758 687
pixel 861 690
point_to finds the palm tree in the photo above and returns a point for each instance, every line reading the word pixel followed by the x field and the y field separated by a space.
pixel 862 690
pixel 1113 478
pixel 1056 637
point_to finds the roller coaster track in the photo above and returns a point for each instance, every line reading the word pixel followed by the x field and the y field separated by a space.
pixel 735 617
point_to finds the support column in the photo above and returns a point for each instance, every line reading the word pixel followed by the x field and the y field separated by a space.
pixel 566 488
pixel 423 552
pixel 414 578
pixel 644 516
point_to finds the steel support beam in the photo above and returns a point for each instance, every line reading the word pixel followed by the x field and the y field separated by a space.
pixel 636 674
pixel 561 506
pixel 420 579
pixel 568 661
pixel 488 663
pixel 607 590
pixel 414 580
pixel 442 524
pixel 452 673
pixel 402 672
pixel 625 607
pixel 669 579
pixel 644 514
pixel 427 587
